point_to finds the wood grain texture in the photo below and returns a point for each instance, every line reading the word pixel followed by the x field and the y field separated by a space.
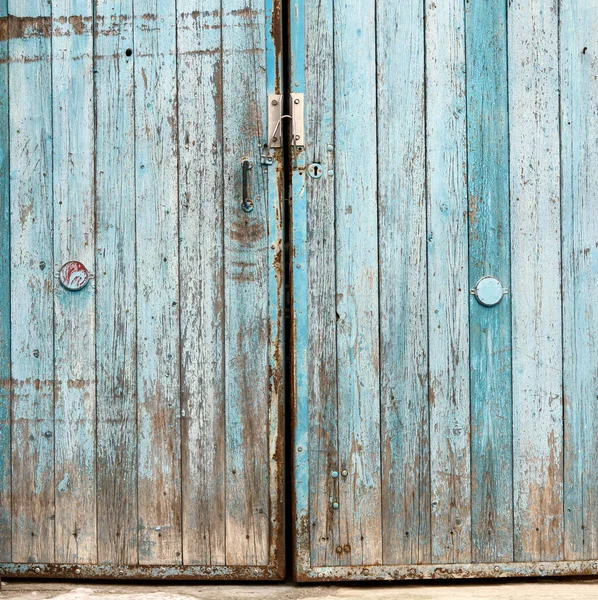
pixel 32 285
pixel 489 255
pixel 321 285
pixel 403 284
pixel 246 282
pixel 448 282
pixel 357 336
pixel 202 279
pixel 115 284
pixel 74 325
pixel 5 466
pixel 579 135
pixel 536 280
pixel 158 352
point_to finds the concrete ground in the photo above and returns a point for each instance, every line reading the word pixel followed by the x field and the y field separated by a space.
pixel 530 590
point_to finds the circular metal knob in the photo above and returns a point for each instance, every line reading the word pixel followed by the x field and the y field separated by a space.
pixel 74 276
pixel 489 291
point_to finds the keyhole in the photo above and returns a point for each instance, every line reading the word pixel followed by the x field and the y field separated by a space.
pixel 315 170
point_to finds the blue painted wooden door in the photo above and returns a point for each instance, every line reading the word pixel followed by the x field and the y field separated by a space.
pixel 140 428
pixel 435 436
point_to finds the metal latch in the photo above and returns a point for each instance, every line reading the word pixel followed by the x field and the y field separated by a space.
pixel 276 117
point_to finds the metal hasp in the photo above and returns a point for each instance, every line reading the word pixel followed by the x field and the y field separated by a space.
pixel 489 291
pixel 276 117
pixel 73 276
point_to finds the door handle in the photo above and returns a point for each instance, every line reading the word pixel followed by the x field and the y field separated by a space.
pixel 247 203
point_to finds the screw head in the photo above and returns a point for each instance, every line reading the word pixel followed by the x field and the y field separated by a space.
pixel 296 100
pixel 344 472
pixel 274 102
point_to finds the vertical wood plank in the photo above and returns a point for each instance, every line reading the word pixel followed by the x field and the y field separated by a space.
pixel 579 135
pixel 277 291
pixel 115 281
pixel 358 381
pixel 246 285
pixel 202 305
pixel 403 283
pixel 5 476
pixel 448 282
pixel 32 281
pixel 321 284
pixel 489 254
pixel 158 355
pixel 74 328
pixel 536 280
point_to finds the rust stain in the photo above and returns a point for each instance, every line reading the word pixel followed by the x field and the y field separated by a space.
pixel 247 233
pixel 77 24
pixel 24 27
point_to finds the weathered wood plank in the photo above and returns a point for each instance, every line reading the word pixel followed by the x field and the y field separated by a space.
pixel 74 239
pixel 246 285
pixel 358 379
pixel 489 254
pixel 536 280
pixel 158 356
pixel 277 291
pixel 403 283
pixel 321 285
pixel 202 305
pixel 448 282
pixel 32 281
pixel 115 284
pixel 5 478
pixel 579 142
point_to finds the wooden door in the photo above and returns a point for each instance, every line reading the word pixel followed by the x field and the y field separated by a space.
pixel 435 436
pixel 140 417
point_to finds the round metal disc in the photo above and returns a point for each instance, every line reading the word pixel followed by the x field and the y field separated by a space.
pixel 489 291
pixel 74 276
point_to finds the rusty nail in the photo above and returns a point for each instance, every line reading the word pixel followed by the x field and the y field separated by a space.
pixel 347 548
pixel 339 549
pixel 344 472
pixel 366 571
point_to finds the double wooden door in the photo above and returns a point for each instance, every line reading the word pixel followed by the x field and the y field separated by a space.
pixel 442 264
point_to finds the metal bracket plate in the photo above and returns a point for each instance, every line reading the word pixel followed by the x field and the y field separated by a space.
pixel 298 122
pixel 274 121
